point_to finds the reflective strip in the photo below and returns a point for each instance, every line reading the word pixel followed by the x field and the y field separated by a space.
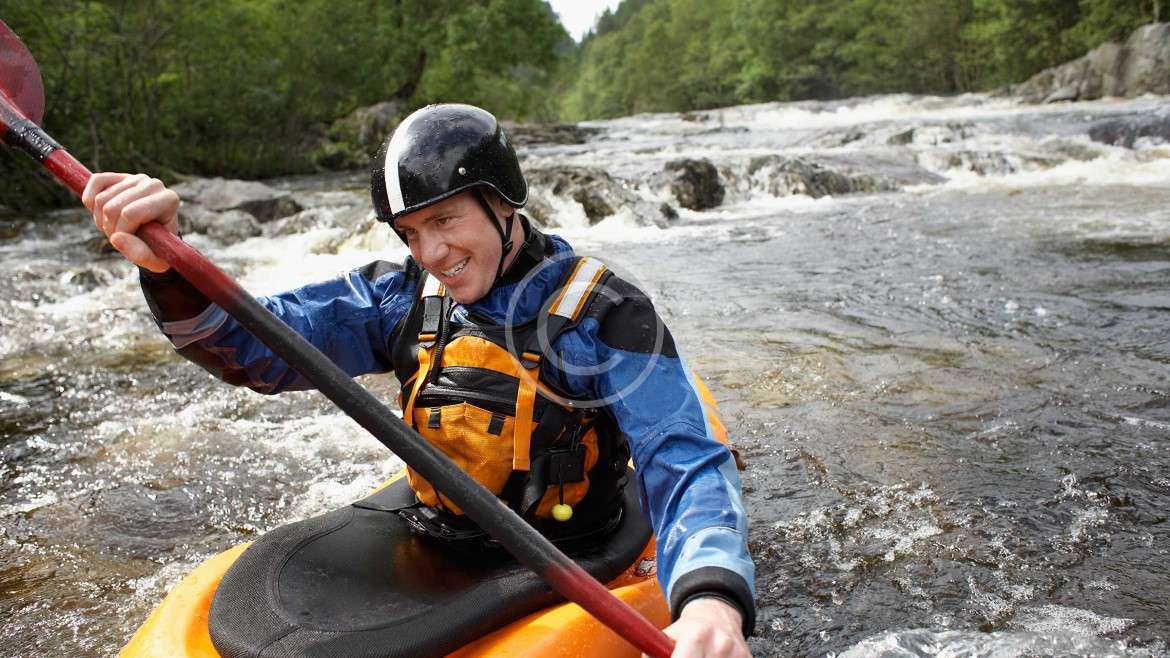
pixel 573 296
pixel 184 332
pixel 398 143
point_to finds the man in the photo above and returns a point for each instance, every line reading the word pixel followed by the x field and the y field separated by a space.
pixel 483 292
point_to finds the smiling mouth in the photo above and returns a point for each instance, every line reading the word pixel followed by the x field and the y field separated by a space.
pixel 454 271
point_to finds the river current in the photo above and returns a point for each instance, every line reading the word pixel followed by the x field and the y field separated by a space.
pixel 953 394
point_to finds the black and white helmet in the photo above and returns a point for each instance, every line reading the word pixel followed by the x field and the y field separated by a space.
pixel 439 151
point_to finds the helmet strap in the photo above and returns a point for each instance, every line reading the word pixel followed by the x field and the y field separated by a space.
pixel 505 233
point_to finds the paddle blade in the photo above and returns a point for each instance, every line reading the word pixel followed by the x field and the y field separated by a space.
pixel 20 79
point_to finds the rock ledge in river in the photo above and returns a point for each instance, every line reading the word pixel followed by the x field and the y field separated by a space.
pixel 695 183
pixel 257 199
pixel 1139 66
pixel 1125 132
pixel 353 139
pixel 784 176
pixel 228 226
pixel 598 193
pixel 530 134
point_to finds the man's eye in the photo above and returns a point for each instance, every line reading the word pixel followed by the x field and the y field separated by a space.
pixel 442 221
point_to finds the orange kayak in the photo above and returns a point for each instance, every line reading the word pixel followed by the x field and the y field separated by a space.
pixel 180 628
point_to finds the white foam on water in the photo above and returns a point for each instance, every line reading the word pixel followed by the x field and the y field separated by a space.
pixel 12 398
pixel 622 226
pixel 28 506
pixel 1116 167
pixel 326 495
pixel 1132 420
pixel 916 643
pixel 803 115
pixel 1057 619
pixel 287 262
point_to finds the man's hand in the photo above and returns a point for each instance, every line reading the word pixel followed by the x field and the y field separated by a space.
pixel 708 628
pixel 120 203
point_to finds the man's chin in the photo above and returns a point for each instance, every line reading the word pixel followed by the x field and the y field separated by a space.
pixel 465 294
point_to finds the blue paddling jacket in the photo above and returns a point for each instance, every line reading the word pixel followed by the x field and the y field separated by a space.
pixel 687 478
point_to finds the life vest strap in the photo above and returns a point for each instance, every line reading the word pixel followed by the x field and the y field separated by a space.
pixel 522 432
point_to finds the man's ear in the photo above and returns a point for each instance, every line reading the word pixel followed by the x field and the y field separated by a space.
pixel 499 206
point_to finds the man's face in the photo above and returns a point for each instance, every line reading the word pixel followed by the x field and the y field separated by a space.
pixel 454 242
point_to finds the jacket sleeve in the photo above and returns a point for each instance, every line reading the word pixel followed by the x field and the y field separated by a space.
pixel 348 318
pixel 689 482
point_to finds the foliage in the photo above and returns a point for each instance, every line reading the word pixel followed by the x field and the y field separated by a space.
pixel 245 87
pixel 651 55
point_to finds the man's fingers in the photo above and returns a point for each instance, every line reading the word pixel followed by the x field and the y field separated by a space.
pixel 102 202
pixel 160 205
pixel 136 251
pixel 112 209
pixel 97 183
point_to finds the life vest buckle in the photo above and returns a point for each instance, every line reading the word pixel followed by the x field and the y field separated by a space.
pixel 566 465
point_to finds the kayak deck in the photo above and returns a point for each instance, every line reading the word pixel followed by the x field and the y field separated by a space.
pixel 179 628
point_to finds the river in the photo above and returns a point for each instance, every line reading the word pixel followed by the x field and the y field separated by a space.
pixel 953 393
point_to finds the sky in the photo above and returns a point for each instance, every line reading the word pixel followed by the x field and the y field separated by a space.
pixel 580 15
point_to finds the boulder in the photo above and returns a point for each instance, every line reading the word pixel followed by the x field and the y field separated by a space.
pixel 228 227
pixel 257 199
pixel 352 140
pixel 588 186
pixel 532 134
pixel 695 183
pixel 1147 67
pixel 1125 132
pixel 1139 66
pixel 597 192
pixel 933 134
pixel 783 176
pixel 354 219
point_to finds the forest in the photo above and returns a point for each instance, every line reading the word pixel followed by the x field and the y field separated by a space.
pixel 248 88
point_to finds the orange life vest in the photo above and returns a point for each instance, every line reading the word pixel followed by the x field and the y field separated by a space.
pixel 476 392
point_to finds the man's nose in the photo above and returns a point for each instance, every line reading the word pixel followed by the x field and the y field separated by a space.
pixel 432 250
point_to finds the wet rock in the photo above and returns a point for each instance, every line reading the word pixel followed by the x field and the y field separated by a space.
pixel 1139 66
pixel 838 139
pixel 599 195
pixel 781 176
pixel 354 219
pixel 1126 132
pixel 695 183
pixel 538 210
pixel 227 227
pixel 531 134
pixel 1069 92
pixel 352 140
pixel 588 186
pixel 1071 149
pixel 89 277
pixel 902 138
pixel 933 135
pixel 984 163
pixel 220 194
pixel 98 244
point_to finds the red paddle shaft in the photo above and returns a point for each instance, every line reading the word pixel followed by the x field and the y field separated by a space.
pixel 521 539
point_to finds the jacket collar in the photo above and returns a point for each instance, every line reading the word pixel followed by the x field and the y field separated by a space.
pixel 533 276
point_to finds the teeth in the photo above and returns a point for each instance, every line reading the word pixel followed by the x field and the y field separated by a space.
pixel 457 269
